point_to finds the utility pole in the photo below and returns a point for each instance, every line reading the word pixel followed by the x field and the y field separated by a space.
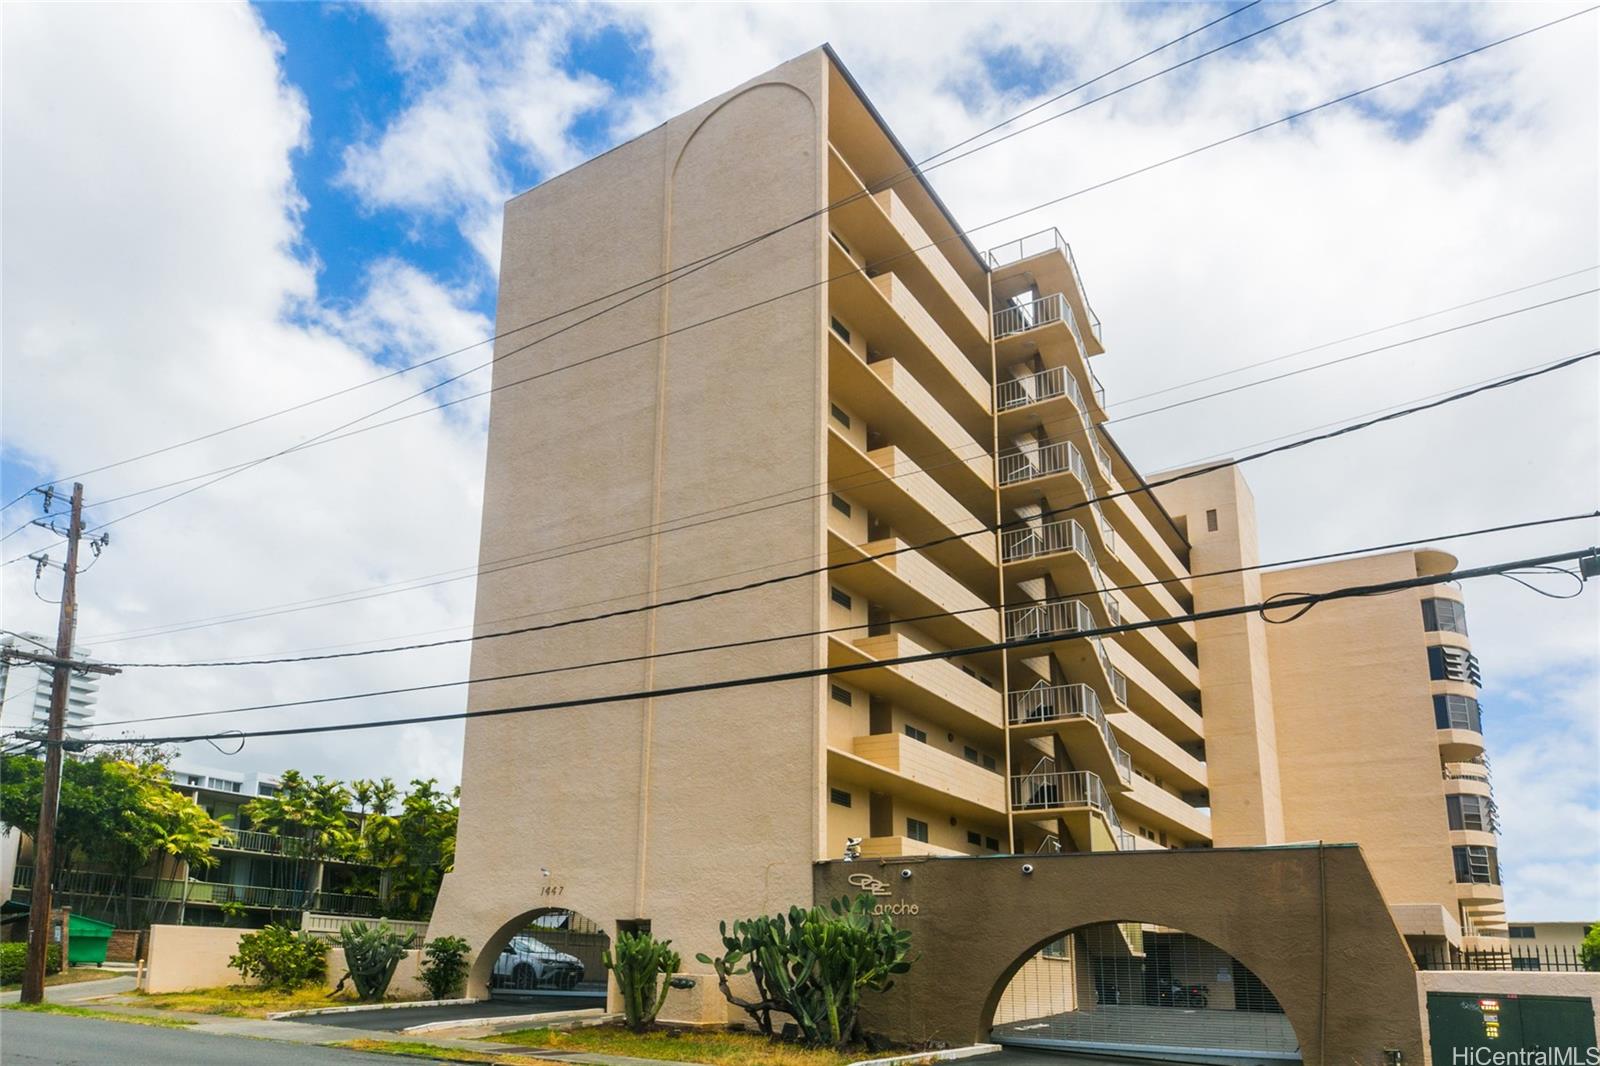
pixel 44 841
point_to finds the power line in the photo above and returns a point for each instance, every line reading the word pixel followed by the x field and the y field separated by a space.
pixel 726 646
pixel 667 526
pixel 915 169
pixel 988 529
pixel 960 234
pixel 1305 600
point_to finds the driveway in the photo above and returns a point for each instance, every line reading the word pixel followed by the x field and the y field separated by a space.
pixel 395 1019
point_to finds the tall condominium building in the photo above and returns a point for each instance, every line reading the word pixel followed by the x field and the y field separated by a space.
pixel 866 388
pixel 25 688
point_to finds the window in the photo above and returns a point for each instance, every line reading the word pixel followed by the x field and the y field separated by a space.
pixel 841 504
pixel 988 762
pixel 1056 949
pixel 839 415
pixel 842 695
pixel 1476 865
pixel 1457 712
pixel 1442 615
pixel 839 796
pixel 1525 962
pixel 1521 932
pixel 1470 812
pixel 971 754
pixel 916 734
pixel 917 830
pixel 841 598
pixel 1211 521
pixel 975 838
pixel 1447 663
pixel 838 327
pixel 991 843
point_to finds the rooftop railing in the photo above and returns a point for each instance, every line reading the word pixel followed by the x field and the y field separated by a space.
pixel 1033 244
pixel 1018 465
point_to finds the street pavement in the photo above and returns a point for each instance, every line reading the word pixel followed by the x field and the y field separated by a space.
pixel 57 1040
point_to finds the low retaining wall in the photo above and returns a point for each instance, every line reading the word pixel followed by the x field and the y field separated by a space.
pixel 186 957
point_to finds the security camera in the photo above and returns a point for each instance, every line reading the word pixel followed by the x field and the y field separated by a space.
pixel 1027 868
pixel 905 875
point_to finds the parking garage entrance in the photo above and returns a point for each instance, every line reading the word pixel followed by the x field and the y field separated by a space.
pixel 551 952
pixel 1140 990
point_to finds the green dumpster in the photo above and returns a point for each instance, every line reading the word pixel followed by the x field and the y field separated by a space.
pixel 88 939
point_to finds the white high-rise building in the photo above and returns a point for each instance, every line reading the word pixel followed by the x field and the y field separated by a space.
pixel 25 688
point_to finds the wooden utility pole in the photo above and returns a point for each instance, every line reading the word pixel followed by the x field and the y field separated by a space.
pixel 44 841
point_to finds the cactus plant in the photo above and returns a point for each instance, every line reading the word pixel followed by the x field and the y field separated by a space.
pixel 371 954
pixel 813 965
pixel 644 967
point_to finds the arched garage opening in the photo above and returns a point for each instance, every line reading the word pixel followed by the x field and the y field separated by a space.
pixel 1141 990
pixel 546 952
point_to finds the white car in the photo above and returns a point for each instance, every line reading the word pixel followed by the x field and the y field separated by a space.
pixel 527 963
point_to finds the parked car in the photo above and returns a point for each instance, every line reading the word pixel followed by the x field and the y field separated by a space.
pixel 527 962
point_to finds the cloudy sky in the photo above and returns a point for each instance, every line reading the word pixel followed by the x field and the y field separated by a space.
pixel 212 213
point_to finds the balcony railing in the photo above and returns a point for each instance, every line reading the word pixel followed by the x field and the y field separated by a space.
pixel 1066 789
pixel 110 885
pixel 1051 703
pixel 1019 466
pixel 1039 311
pixel 1037 388
pixel 1054 538
pixel 1050 618
pixel 1038 244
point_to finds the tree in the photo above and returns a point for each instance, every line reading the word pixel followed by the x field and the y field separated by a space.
pixel 416 847
pixel 312 816
pixel 1589 950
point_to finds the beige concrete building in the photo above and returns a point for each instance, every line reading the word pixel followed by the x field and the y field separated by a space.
pixel 866 387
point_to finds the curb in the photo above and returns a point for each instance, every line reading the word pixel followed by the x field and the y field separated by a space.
pixel 286 1015
pixel 502 1022
pixel 948 1055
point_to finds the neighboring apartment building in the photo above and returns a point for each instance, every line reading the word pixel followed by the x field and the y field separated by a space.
pixel 910 396
pixel 25 688
pixel 258 877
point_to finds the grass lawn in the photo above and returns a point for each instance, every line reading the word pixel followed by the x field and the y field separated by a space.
pixel 104 1015
pixel 70 977
pixel 440 1054
pixel 718 1047
pixel 243 1001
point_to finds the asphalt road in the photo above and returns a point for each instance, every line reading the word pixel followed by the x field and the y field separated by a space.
pixel 55 1040
pixel 396 1019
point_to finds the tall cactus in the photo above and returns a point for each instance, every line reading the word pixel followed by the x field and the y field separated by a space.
pixel 644 967
pixel 371 954
pixel 813 965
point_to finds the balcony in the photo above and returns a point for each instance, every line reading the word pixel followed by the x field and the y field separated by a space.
pixel 896 764
pixel 1160 809
pixel 907 415
pixel 893 322
pixel 1063 550
pixel 1042 312
pixel 1046 259
pixel 1073 713
pixel 1081 659
pixel 889 483
pixel 84 884
pixel 938 689
pixel 910 586
pixel 1079 798
pixel 1024 466
pixel 257 843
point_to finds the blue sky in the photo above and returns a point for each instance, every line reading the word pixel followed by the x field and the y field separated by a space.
pixel 343 218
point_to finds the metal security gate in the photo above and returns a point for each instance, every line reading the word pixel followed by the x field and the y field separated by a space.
pixel 1143 991
pixel 1463 1026
pixel 556 953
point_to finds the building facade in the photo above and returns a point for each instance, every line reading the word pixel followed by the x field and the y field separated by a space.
pixel 25 688
pixel 866 388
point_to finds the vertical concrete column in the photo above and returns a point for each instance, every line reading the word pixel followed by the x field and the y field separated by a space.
pixel 1235 680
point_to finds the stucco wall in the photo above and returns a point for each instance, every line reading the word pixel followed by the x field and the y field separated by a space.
pixel 1295 916
pixel 186 957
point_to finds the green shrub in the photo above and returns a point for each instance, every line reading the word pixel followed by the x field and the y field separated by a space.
pixel 813 965
pixel 1589 950
pixel 644 967
pixel 280 957
pixel 14 959
pixel 371 953
pixel 444 966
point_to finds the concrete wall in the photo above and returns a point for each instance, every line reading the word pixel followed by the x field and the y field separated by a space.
pixel 182 958
pixel 675 810
pixel 1308 921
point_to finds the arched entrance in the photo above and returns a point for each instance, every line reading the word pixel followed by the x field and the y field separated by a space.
pixel 549 951
pixel 1142 990
pixel 1306 920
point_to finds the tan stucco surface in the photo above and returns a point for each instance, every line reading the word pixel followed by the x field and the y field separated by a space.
pixel 181 958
